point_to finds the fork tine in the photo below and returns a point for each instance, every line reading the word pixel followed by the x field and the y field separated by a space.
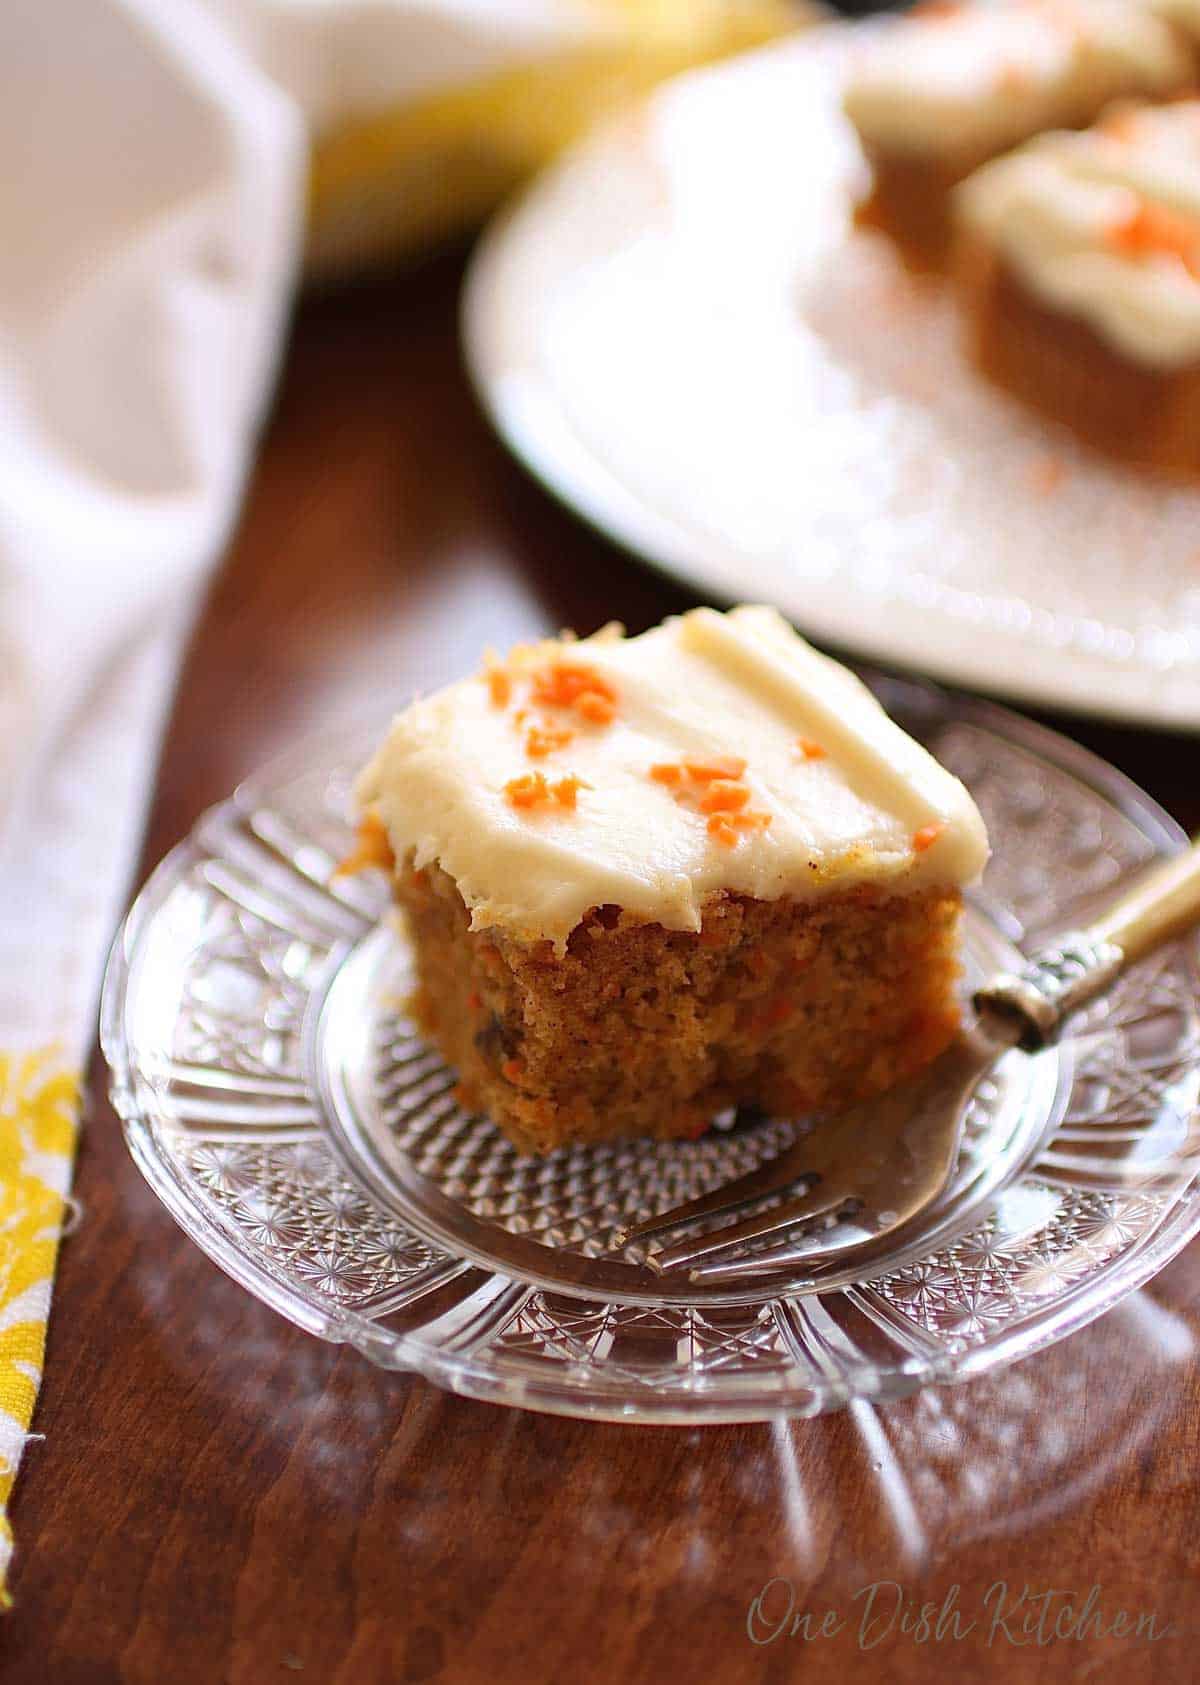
pixel 778 1173
pixel 808 1206
pixel 804 1254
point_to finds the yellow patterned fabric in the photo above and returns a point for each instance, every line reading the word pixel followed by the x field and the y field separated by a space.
pixel 39 1105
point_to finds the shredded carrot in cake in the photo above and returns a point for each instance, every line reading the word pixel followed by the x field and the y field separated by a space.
pixel 926 837
pixel 724 796
pixel 542 740
pixel 667 772
pixel 474 1000
pixel 1155 230
pixel 777 1011
pixel 720 766
pixel 810 750
pixel 513 1069
pixel 371 849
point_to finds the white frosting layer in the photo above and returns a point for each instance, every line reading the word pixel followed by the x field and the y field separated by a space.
pixel 1050 211
pixel 983 77
pixel 701 685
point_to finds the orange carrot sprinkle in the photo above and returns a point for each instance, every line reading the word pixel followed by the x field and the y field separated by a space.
pixel 544 739
pixel 532 790
pixel 1155 229
pixel 752 821
pixel 598 709
pixel 720 830
pixel 499 687
pixel 528 790
pixel 667 772
pixel 724 796
pixel 371 849
pixel 562 683
pixel 567 789
pixel 810 750
pixel 926 837
pixel 720 766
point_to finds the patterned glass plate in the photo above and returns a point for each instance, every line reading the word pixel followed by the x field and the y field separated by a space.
pixel 286 1111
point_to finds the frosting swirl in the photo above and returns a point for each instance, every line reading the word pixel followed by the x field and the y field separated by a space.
pixel 716 752
pixel 1106 226
pixel 960 79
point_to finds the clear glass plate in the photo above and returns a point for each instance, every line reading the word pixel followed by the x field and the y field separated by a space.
pixel 289 1116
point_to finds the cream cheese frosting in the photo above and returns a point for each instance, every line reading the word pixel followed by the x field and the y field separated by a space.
pixel 851 798
pixel 973 79
pixel 1057 212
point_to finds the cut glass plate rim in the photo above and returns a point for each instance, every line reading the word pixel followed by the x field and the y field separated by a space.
pixel 730 1398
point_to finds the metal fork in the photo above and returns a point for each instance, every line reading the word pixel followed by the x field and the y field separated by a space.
pixel 875 1167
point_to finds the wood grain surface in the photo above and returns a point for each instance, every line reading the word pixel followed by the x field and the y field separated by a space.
pixel 220 1497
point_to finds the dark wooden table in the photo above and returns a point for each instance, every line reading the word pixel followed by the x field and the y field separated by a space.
pixel 220 1497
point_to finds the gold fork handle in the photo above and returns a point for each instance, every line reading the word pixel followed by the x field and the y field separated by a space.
pixel 1079 966
pixel 1164 904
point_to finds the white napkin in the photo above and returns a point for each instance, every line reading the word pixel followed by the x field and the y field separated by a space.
pixel 155 158
pixel 151 201
pixel 153 190
pixel 152 197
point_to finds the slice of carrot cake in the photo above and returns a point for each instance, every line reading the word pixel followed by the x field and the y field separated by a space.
pixel 948 86
pixel 1080 275
pixel 648 878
